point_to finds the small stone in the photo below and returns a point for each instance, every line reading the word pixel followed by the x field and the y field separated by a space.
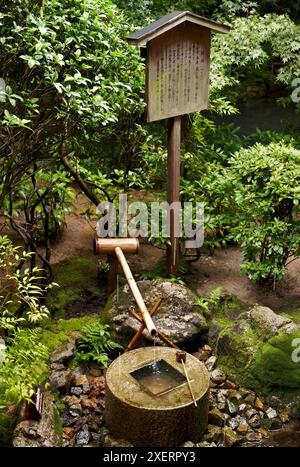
pixel 66 419
pixel 254 436
pixel 201 356
pixel 221 398
pixel 229 384
pixel 242 429
pixel 234 396
pixel 111 442
pixel 254 421
pixel 77 391
pixel 215 417
pixel 60 380
pixel 71 400
pixel 64 352
pixel 80 422
pixel 57 366
pixel 221 406
pixel 207 348
pixel 83 437
pixel 218 376
pixel 97 385
pixel 214 434
pixel 89 403
pixel 210 363
pixel 96 436
pixel 263 431
pixel 236 421
pixel 249 413
pixel 205 444
pixel 250 399
pixel 95 370
pixel 245 392
pixel 230 438
pixel 243 408
pixel 284 416
pixel 233 423
pixel 271 413
pixel 231 407
pixel 75 410
pixel 259 404
pixel 68 432
pixel 75 336
pixel 188 444
pixel 81 380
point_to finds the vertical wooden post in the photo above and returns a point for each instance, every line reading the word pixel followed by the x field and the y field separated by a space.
pixel 112 274
pixel 174 133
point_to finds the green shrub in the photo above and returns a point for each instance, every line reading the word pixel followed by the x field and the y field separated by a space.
pixel 96 344
pixel 25 366
pixel 266 191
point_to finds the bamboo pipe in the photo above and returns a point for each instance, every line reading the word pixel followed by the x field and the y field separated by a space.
pixel 135 292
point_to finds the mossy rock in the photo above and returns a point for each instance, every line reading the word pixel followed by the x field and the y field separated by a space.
pixel 256 350
pixel 178 318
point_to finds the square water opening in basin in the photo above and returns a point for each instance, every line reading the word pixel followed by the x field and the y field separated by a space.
pixel 158 377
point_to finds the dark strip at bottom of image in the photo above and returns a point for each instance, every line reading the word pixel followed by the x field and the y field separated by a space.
pixel 131 456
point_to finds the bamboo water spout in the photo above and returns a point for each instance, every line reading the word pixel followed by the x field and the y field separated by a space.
pixel 135 292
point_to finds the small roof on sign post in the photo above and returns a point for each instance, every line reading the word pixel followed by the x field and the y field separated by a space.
pixel 142 36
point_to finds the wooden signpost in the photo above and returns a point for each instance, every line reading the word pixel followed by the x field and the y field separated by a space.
pixel 177 83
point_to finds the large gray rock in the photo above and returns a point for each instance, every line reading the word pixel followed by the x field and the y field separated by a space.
pixel 178 318
pixel 256 347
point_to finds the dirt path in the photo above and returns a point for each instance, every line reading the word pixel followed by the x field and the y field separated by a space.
pixel 221 269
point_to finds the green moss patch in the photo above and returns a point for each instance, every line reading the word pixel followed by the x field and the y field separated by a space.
pixel 274 367
pixel 57 332
pixel 79 291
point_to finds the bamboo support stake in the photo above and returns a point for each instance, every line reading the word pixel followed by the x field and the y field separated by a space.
pixel 140 331
pixel 136 293
pixel 159 334
pixel 180 357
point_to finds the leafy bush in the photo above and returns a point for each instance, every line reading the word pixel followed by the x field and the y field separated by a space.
pixel 20 292
pixel 212 300
pixel 266 191
pixel 96 344
pixel 25 366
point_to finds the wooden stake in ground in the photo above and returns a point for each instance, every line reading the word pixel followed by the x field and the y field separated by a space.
pixel 174 133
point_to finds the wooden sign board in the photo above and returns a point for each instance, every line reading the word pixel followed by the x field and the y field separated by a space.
pixel 178 64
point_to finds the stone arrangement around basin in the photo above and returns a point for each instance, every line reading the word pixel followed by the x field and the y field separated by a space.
pixel 238 416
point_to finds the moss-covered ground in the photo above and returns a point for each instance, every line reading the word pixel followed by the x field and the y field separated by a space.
pixel 79 292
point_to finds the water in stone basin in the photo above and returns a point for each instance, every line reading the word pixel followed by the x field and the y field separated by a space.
pixel 158 377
